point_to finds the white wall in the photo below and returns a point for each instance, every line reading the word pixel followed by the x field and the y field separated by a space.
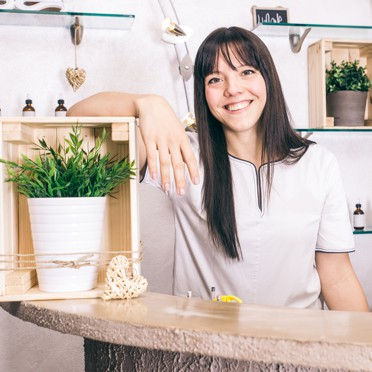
pixel 33 61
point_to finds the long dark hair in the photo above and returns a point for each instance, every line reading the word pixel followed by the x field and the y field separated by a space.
pixel 279 140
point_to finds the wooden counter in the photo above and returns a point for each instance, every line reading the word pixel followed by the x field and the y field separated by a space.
pixel 181 330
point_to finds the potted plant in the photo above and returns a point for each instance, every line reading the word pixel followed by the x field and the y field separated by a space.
pixel 66 188
pixel 347 87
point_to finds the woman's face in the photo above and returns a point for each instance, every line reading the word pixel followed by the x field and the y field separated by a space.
pixel 236 98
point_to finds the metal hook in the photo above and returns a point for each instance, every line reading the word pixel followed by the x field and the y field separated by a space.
pixel 76 30
pixel 295 40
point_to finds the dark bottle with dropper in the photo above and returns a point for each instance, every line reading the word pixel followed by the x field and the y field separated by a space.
pixel 28 110
pixel 60 110
pixel 359 218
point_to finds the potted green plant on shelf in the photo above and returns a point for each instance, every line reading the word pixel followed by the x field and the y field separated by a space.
pixel 66 189
pixel 347 87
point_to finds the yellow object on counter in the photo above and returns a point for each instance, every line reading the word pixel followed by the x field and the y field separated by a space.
pixel 228 298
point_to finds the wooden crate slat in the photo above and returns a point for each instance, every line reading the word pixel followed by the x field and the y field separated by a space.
pixel 118 214
pixel 17 133
pixel 316 61
pixel 19 282
pixel 134 192
pixel 8 205
pixel 35 294
pixel 119 132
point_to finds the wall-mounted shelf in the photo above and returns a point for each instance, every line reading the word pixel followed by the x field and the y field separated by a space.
pixel 296 32
pixel 319 31
pixel 367 230
pixel 16 17
pixel 74 21
pixel 336 129
pixel 307 132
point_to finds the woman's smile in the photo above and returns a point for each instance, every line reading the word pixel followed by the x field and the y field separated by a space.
pixel 238 106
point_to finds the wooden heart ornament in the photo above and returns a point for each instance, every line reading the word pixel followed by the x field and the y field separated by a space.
pixel 119 283
pixel 76 77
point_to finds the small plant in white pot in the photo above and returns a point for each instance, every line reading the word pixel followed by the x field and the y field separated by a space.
pixel 347 87
pixel 66 189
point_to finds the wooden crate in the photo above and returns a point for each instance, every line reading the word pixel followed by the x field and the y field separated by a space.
pixel 121 231
pixel 320 55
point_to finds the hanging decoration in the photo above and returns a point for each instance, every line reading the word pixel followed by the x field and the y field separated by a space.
pixel 76 76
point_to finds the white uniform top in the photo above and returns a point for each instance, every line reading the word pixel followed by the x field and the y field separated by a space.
pixel 307 212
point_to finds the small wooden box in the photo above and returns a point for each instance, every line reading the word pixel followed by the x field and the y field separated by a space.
pixel 121 231
pixel 320 55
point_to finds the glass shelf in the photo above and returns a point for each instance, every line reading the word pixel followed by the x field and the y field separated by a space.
pixel 336 129
pixel 319 31
pixel 367 230
pixel 16 17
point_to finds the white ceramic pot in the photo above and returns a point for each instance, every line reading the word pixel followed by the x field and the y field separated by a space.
pixel 66 225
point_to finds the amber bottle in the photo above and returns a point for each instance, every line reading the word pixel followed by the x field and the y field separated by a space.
pixel 60 110
pixel 359 218
pixel 28 110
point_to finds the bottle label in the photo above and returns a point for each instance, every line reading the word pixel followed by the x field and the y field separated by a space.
pixel 359 220
pixel 28 113
pixel 60 113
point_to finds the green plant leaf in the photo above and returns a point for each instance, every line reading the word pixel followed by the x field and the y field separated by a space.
pixel 68 170
pixel 346 76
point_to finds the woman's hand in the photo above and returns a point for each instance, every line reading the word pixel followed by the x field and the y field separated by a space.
pixel 161 130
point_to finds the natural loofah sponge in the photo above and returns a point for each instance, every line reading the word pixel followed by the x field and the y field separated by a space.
pixel 118 284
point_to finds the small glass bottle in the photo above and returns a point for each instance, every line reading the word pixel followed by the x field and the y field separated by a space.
pixel 359 218
pixel 60 110
pixel 28 110
pixel 213 293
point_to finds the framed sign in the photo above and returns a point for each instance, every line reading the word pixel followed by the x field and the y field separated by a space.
pixel 272 15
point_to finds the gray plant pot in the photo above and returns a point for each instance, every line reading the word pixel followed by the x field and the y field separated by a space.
pixel 347 107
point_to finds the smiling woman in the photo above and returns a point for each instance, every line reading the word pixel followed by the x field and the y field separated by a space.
pixel 261 212
pixel 235 75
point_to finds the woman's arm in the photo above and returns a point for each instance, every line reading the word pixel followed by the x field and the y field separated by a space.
pixel 340 286
pixel 159 130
